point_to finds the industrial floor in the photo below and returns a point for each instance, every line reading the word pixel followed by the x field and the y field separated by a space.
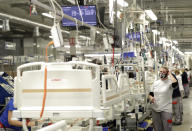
pixel 187 117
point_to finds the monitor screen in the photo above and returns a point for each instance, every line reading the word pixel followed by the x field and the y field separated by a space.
pixel 128 55
pixel 88 13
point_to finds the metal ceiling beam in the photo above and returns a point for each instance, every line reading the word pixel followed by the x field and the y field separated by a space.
pixel 11 17
pixel 173 10
pixel 186 40
pixel 173 6
pixel 185 46
pixel 182 16
pixel 174 25
pixel 171 3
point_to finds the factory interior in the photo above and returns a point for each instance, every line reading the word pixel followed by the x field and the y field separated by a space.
pixel 95 65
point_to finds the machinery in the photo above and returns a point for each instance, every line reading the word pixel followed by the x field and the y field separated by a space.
pixel 69 91
pixel 72 90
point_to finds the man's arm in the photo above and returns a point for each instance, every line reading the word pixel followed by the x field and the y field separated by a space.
pixel 13 122
pixel 18 123
pixel 174 80
pixel 151 97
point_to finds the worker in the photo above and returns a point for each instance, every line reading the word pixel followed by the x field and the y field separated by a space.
pixel 117 72
pixel 6 121
pixel 190 78
pixel 160 97
pixel 177 115
pixel 177 73
pixel 185 83
pixel 188 75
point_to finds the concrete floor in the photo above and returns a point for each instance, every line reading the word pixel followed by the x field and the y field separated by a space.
pixel 187 117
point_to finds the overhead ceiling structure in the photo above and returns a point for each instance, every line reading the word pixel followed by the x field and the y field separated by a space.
pixel 175 19
pixel 23 22
pixel 18 13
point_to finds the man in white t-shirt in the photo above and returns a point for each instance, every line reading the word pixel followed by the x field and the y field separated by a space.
pixel 160 97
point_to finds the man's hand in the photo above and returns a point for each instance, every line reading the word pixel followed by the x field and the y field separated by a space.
pixel 34 122
pixel 31 123
pixel 172 77
pixel 152 100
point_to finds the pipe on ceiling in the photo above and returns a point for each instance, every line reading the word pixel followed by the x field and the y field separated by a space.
pixel 11 17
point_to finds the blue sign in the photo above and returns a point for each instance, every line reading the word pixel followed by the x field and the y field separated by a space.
pixel 89 15
pixel 136 36
pixel 128 54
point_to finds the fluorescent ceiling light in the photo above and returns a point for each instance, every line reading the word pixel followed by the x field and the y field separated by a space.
pixel 68 46
pixel 51 37
pixel 156 32
pixel 188 53
pixel 174 41
pixel 97 55
pixel 1 26
pixel 118 14
pixel 151 14
pixel 71 1
pixel 77 52
pixel 66 31
pixel 47 15
pixel 98 32
pixel 163 39
pixel 85 37
pixel 62 32
pixel 122 3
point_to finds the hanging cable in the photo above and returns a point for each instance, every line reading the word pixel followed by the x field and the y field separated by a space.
pixel 45 92
pixel 45 81
pixel 46 57
pixel 80 12
pixel 30 10
pixel 113 56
